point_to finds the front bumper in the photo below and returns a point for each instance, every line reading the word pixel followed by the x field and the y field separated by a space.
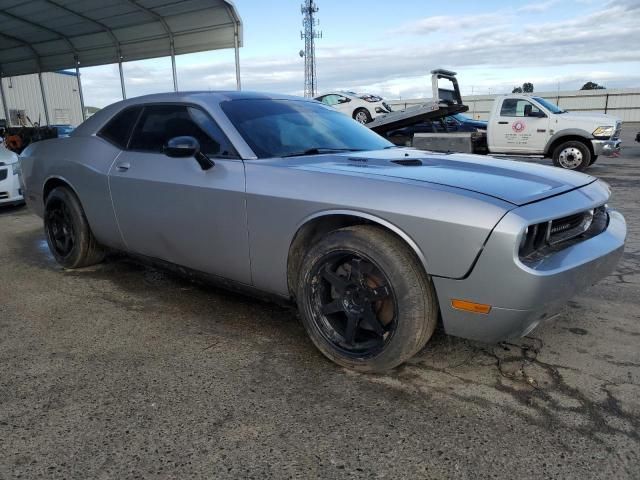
pixel 522 296
pixel 10 191
pixel 606 147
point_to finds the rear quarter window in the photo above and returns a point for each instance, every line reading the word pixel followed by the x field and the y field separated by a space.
pixel 118 129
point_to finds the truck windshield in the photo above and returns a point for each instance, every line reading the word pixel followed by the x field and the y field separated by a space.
pixel 552 107
pixel 280 128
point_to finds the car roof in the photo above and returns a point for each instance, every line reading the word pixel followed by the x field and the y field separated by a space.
pixel 98 119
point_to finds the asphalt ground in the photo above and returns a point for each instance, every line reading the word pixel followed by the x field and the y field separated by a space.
pixel 125 371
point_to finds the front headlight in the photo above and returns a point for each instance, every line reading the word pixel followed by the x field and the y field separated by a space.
pixel 603 132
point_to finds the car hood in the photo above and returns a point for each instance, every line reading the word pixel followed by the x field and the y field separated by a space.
pixel 515 182
pixel 7 156
pixel 600 118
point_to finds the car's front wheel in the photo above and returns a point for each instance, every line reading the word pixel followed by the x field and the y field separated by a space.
pixel 365 300
pixel 362 115
pixel 572 155
pixel 68 234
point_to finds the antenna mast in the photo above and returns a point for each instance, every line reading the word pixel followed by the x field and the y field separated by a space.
pixel 309 34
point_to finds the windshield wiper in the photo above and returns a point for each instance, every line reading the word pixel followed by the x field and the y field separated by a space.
pixel 320 151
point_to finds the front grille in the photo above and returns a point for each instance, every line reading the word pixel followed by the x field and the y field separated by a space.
pixel 3 174
pixel 386 105
pixel 4 195
pixel 566 228
pixel 548 237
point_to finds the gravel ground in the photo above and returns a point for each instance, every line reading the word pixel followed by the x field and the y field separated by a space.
pixel 124 371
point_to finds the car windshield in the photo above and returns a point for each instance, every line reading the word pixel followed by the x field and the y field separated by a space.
pixel 461 117
pixel 280 128
pixel 552 107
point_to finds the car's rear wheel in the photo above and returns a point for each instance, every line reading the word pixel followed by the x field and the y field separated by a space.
pixel 68 233
pixel 364 299
pixel 572 155
pixel 362 115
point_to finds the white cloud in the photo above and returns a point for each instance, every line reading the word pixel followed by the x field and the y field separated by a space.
pixel 489 53
pixel 433 24
pixel 538 7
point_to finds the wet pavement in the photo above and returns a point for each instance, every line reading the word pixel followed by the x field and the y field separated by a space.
pixel 125 371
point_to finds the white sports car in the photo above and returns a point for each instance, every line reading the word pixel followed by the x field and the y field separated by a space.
pixel 10 191
pixel 361 107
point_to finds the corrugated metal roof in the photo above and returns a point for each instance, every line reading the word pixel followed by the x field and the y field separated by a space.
pixel 50 35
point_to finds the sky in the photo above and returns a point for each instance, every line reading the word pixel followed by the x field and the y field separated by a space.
pixel 388 47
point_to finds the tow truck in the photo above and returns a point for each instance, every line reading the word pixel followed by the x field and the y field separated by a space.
pixel 519 125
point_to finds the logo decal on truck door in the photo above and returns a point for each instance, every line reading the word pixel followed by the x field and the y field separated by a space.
pixel 518 126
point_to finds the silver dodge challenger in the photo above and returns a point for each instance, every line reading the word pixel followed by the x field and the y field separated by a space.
pixel 281 195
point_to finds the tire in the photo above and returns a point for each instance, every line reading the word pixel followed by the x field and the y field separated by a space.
pixel 593 159
pixel 361 115
pixel 68 234
pixel 366 277
pixel 572 155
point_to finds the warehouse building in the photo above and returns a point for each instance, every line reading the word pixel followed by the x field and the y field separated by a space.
pixel 23 104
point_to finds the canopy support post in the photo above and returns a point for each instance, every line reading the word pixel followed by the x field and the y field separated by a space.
pixel 124 92
pixel 173 66
pixel 84 113
pixel 44 99
pixel 4 102
pixel 236 45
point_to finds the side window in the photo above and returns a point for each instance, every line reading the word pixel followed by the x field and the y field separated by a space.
pixel 330 100
pixel 118 129
pixel 212 141
pixel 159 123
pixel 512 107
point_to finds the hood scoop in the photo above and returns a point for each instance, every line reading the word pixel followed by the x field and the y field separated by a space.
pixel 408 162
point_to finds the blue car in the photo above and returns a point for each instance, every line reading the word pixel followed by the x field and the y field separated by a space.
pixel 453 123
pixel 63 130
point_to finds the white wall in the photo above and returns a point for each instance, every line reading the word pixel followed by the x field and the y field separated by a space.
pixel 61 91
pixel 621 103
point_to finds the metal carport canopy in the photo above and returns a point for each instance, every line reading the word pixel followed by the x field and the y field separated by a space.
pixel 48 35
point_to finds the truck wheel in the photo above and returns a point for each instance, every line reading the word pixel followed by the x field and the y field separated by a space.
pixel 67 230
pixel 364 299
pixel 572 155
pixel 362 115
pixel 593 159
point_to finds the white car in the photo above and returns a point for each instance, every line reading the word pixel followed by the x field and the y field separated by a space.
pixel 10 191
pixel 361 107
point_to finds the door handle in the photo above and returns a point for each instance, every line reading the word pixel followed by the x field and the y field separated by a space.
pixel 503 123
pixel 123 167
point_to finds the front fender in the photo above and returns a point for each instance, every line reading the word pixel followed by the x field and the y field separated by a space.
pixel 371 218
pixel 567 132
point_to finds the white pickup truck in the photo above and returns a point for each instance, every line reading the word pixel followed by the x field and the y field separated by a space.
pixel 532 126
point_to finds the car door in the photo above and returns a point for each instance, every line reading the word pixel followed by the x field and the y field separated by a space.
pixel 344 105
pixel 170 208
pixel 520 126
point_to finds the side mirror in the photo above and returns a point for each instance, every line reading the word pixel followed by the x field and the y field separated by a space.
pixel 537 114
pixel 187 147
pixel 344 100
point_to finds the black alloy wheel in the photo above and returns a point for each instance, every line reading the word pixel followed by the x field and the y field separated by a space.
pixel 354 306
pixel 59 228
pixel 68 232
